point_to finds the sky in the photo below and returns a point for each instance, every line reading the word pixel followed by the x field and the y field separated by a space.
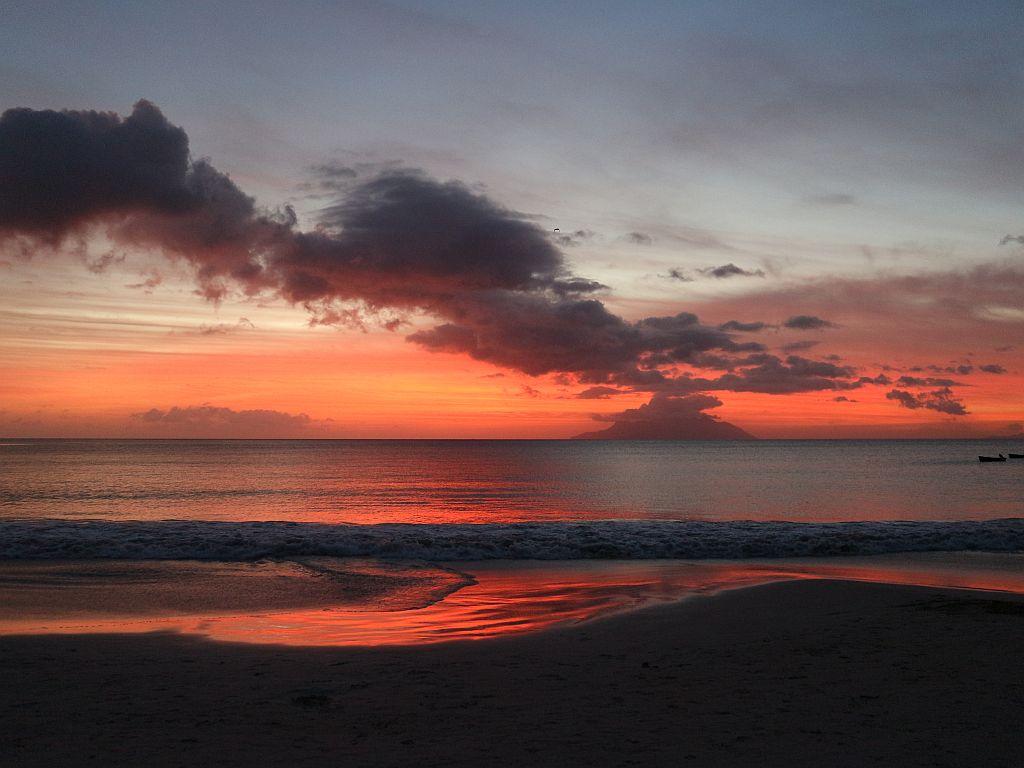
pixel 518 220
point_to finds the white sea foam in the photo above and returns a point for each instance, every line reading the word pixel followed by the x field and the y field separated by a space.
pixel 621 539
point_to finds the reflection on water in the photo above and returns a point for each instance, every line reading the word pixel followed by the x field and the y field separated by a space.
pixel 512 598
pixel 493 481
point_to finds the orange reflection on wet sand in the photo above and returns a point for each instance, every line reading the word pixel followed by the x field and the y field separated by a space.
pixel 513 598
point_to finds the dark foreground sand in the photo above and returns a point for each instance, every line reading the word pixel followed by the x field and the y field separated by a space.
pixel 808 673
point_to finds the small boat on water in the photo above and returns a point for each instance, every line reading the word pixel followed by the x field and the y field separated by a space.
pixel 1016 455
pixel 1000 457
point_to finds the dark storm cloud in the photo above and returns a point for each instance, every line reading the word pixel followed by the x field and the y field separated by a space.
pixel 63 171
pixel 718 362
pixel 941 400
pixel 796 374
pixel 395 243
pixel 538 334
pixel 759 372
pixel 63 168
pixel 807 323
pixel 404 240
pixel 730 270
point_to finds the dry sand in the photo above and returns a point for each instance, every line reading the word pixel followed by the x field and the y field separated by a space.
pixel 804 673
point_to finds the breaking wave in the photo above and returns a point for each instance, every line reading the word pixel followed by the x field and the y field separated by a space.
pixel 622 539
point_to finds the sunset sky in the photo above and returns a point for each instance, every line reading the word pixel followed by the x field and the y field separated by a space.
pixel 504 220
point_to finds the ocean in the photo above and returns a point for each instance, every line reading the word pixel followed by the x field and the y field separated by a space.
pixel 475 500
pixel 410 542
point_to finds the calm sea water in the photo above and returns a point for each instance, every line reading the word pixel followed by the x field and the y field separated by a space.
pixel 367 482
pixel 666 520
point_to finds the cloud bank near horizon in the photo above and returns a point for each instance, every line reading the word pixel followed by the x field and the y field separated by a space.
pixel 202 419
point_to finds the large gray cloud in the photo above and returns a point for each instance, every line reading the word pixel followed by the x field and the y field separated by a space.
pixel 394 242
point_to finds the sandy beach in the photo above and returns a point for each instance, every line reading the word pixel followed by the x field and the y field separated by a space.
pixel 794 673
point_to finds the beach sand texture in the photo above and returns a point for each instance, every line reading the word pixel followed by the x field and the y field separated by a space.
pixel 795 673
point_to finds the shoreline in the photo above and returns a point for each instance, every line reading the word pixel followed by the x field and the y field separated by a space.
pixel 356 602
pixel 804 672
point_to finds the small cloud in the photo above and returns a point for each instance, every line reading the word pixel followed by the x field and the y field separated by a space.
pixel 808 323
pixel 149 283
pixel 992 368
pixel 678 274
pixel 730 270
pixel 927 381
pixel 598 393
pixel 1019 239
pixel 100 265
pixel 222 329
pixel 330 179
pixel 843 399
pixel 961 369
pixel 571 239
pixel 577 285
pixel 941 400
pixel 639 238
pixel 736 325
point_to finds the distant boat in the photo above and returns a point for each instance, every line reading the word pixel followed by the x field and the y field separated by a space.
pixel 1016 455
pixel 993 458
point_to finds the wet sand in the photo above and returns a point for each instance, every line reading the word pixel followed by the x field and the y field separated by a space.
pixel 795 673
